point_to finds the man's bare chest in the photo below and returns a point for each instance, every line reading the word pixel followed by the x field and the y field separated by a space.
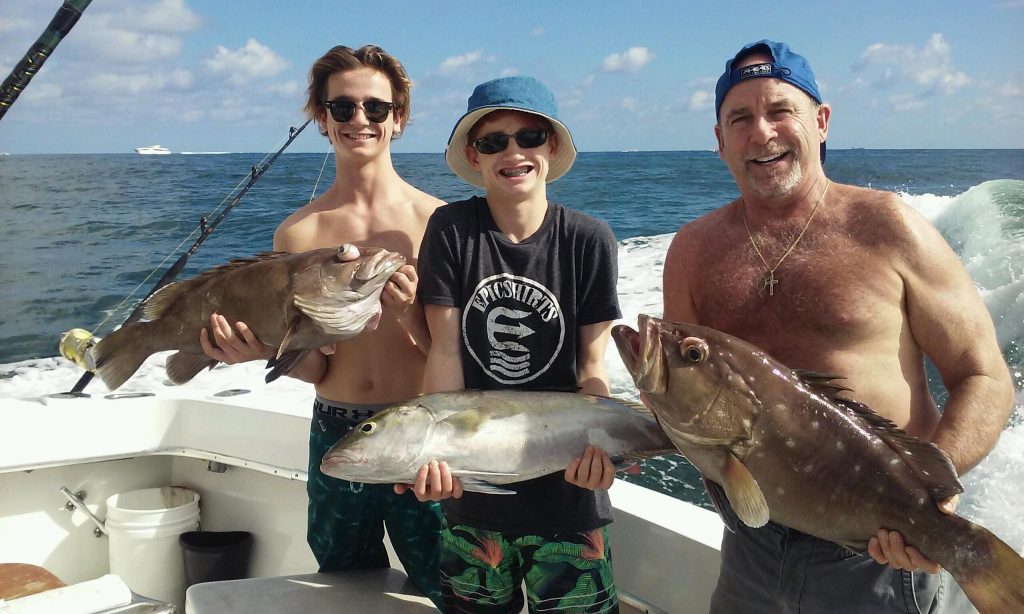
pixel 827 290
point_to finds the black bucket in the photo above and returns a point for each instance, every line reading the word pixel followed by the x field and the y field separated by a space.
pixel 215 555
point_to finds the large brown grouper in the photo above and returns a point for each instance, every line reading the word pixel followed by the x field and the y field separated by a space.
pixel 294 302
pixel 782 446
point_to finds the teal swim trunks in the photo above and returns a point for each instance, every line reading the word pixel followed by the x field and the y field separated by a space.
pixel 346 520
pixel 482 571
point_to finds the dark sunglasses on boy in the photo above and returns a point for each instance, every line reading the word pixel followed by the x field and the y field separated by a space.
pixel 498 141
pixel 375 110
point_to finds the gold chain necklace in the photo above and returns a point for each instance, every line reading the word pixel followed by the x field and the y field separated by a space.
pixel 768 281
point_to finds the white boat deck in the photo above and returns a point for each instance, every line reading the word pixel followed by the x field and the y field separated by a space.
pixel 106 446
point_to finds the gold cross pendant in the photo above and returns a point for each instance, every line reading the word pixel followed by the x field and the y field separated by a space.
pixel 769 282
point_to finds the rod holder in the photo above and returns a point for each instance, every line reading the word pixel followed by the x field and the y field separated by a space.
pixel 76 501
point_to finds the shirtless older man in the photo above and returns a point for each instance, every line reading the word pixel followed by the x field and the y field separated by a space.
pixel 360 100
pixel 837 279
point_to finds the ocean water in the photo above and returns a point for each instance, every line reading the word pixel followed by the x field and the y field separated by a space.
pixel 85 236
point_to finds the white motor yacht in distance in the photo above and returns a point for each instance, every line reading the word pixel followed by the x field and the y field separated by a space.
pixel 152 150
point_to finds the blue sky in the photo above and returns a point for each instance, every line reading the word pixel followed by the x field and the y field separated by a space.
pixel 227 75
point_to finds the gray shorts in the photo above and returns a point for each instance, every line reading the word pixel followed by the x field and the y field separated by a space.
pixel 777 569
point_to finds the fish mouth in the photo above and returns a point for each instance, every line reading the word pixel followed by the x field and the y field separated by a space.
pixel 347 459
pixel 641 353
pixel 627 341
pixel 380 266
pixel 652 374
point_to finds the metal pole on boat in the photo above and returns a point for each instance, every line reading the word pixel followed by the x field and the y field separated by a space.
pixel 65 19
pixel 207 228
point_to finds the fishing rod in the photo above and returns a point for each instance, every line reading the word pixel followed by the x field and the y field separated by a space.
pixel 75 343
pixel 65 19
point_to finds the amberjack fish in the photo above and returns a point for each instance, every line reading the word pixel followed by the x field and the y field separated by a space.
pixel 780 444
pixel 295 302
pixel 491 438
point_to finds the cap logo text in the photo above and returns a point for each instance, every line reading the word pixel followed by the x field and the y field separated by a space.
pixel 756 70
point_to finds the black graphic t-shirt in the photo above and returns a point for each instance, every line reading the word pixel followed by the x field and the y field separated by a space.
pixel 522 305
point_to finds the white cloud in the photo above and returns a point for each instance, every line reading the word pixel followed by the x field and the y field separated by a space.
pixel 160 16
pixel 291 88
pixel 703 82
pixel 629 103
pixel 128 47
pixel 14 24
pixel 930 66
pixel 135 34
pixel 43 91
pixel 1011 90
pixel 701 100
pixel 905 103
pixel 146 83
pixel 537 32
pixel 251 62
pixel 509 72
pixel 632 60
pixel 1010 4
pixel 456 63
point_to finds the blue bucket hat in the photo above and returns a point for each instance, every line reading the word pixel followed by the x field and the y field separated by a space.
pixel 786 65
pixel 524 94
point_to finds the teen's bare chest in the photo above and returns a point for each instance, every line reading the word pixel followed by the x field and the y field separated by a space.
pixel 395 228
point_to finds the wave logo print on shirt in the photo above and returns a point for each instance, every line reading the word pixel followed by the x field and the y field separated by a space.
pixel 513 328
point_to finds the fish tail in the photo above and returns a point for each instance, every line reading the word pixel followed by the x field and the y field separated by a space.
pixel 283 364
pixel 990 571
pixel 120 354
pixel 183 366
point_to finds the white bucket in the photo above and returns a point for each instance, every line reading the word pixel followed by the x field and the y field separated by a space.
pixel 143 526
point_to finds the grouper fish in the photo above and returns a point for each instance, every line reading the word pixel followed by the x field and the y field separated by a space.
pixel 492 438
pixel 780 444
pixel 295 302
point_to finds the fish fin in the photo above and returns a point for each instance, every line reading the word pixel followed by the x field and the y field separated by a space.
pixel 156 305
pixel 624 464
pixel 237 263
pixel 744 494
pixel 332 314
pixel 289 335
pixel 929 463
pixel 183 366
pixel 483 486
pixel 120 354
pixel 634 405
pixel 718 498
pixel 625 461
pixel 283 363
pixel 821 383
pixel 474 473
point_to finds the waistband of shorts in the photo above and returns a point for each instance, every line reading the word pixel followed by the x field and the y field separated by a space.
pixel 353 413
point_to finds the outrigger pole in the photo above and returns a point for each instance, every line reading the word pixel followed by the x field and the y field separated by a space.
pixel 65 19
pixel 206 228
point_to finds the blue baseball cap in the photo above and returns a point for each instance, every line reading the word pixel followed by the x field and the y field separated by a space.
pixel 786 65
pixel 524 94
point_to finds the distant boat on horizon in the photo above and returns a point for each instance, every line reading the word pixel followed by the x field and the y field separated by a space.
pixel 152 150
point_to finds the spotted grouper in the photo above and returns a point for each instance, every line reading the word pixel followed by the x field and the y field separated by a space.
pixel 782 445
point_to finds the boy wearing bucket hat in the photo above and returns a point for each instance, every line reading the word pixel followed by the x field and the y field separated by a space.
pixel 519 293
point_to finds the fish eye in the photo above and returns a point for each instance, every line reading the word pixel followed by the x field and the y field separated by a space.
pixel 367 427
pixel 693 349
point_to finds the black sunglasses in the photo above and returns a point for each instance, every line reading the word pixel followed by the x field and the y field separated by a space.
pixel 498 141
pixel 342 110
